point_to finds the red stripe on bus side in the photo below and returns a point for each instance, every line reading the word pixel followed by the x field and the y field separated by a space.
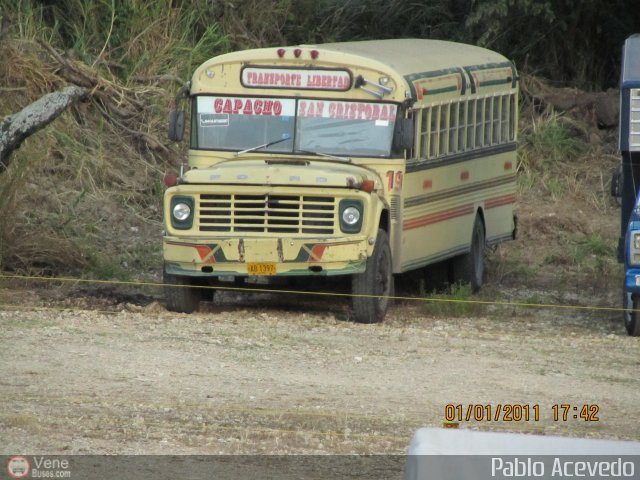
pixel 500 201
pixel 456 212
pixel 437 217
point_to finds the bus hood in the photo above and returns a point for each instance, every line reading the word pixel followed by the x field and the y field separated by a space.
pixel 281 172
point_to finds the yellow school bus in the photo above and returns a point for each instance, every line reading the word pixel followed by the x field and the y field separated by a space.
pixel 365 159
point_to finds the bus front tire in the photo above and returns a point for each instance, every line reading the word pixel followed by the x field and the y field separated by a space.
pixel 181 297
pixel 469 268
pixel 631 315
pixel 373 288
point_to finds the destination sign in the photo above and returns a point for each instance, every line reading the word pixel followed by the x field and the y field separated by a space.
pixel 347 110
pixel 246 106
pixel 297 79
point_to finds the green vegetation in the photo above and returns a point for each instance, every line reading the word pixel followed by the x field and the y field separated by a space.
pixel 566 40
pixel 457 301
pixel 129 40
pixel 84 193
pixel 548 147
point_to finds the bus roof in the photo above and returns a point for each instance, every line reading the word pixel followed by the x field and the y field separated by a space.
pixel 411 56
pixel 422 68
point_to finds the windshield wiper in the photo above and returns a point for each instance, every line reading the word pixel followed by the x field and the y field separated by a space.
pixel 285 137
pixel 328 155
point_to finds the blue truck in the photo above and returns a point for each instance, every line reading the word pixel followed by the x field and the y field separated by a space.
pixel 628 185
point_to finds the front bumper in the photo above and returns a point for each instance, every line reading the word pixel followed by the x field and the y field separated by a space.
pixel 290 256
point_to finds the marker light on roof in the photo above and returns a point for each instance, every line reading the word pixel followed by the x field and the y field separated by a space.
pixel 297 52
pixel 281 52
pixel 314 54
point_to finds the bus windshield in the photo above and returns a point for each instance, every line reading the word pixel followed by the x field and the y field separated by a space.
pixel 325 126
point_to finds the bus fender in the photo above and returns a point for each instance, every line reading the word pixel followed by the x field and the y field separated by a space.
pixel 380 214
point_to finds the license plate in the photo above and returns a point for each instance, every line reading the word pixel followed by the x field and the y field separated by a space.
pixel 261 268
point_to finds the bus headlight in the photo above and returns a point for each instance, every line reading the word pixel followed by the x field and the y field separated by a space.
pixel 182 212
pixel 350 216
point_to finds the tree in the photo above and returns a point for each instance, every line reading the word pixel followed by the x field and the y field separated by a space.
pixel 14 129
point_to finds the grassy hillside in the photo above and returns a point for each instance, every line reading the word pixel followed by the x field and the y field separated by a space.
pixel 82 196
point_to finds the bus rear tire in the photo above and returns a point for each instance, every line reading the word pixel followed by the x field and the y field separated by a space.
pixel 179 295
pixel 373 288
pixel 631 317
pixel 468 269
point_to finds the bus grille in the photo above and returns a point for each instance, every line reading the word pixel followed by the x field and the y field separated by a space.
pixel 266 214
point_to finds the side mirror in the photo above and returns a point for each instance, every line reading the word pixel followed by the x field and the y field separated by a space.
pixel 176 126
pixel 405 134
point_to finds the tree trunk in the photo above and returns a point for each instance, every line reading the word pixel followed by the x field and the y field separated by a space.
pixel 15 128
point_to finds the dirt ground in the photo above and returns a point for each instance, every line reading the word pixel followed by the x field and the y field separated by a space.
pixel 282 373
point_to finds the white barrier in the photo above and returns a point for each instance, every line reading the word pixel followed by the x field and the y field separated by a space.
pixel 453 441
pixel 446 453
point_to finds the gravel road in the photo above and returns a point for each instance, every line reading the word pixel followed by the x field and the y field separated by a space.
pixel 257 375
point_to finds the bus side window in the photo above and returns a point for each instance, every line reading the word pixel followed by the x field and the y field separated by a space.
pixel 471 125
pixel 424 132
pixel 433 129
pixel 488 112
pixel 443 146
pixel 453 127
pixel 497 109
pixel 479 122
pixel 504 120
pixel 462 124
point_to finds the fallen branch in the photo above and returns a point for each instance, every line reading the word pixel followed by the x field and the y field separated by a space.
pixel 14 129
pixel 123 107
